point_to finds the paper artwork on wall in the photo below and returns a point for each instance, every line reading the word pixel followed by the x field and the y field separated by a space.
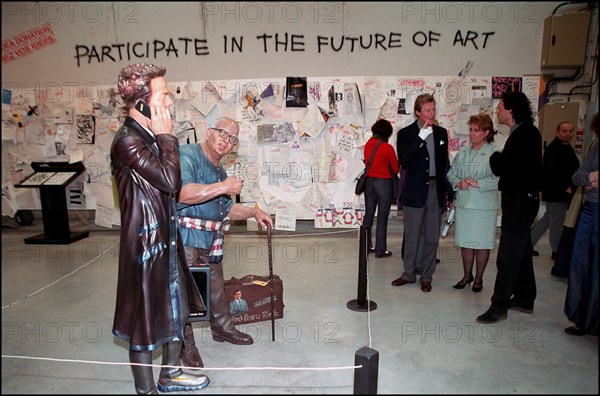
pixel 353 105
pixel 265 133
pixel 301 139
pixel 207 98
pixel 86 128
pixel 389 110
pixel 313 122
pixel 6 96
pixel 464 113
pixel 285 217
pixel 500 85
pixel 63 115
pixel 349 215
pixel 250 102
pixel 296 92
pixel 284 133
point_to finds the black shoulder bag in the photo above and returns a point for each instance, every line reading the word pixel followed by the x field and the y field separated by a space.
pixel 362 180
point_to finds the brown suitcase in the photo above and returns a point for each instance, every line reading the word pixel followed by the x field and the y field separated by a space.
pixel 256 291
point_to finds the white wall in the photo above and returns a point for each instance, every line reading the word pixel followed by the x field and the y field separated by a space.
pixel 55 55
pixel 513 46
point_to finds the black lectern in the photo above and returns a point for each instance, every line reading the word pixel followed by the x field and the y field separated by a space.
pixel 52 178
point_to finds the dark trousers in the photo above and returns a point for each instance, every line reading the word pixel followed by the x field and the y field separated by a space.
pixel 422 236
pixel 515 264
pixel 378 197
pixel 581 303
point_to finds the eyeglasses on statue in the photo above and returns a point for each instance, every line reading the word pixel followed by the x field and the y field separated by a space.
pixel 226 135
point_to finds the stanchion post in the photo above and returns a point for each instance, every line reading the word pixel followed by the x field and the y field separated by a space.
pixel 365 377
pixel 361 303
pixel 361 295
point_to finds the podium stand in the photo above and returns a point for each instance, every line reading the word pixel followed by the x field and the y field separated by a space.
pixel 52 178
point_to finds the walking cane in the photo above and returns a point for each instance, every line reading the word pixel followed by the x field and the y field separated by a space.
pixel 271 282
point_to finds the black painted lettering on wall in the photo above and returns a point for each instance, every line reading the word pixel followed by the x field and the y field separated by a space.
pixel 269 43
pixel 470 36
pixel 129 51
pixel 377 41
pixel 234 44
pixel 395 42
pixel 293 43
pixel 422 38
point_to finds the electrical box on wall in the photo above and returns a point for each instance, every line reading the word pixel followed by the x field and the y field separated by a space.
pixel 553 113
pixel 565 40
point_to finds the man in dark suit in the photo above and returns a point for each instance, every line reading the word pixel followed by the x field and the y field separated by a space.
pixel 423 152
pixel 560 162
pixel 519 167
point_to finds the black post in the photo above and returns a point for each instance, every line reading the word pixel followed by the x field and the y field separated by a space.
pixel 271 282
pixel 365 377
pixel 361 303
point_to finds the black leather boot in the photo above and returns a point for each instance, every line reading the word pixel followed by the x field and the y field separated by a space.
pixel 190 356
pixel 173 379
pixel 221 325
pixel 143 376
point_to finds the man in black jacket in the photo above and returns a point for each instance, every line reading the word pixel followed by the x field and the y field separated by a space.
pixel 560 162
pixel 155 290
pixel 519 167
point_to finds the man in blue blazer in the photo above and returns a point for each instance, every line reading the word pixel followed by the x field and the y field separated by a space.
pixel 423 152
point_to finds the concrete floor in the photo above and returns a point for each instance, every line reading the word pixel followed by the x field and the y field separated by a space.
pixel 58 304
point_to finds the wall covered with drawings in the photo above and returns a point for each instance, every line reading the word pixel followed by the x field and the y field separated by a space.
pixel 301 138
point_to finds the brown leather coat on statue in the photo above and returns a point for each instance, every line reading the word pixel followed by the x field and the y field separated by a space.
pixel 147 174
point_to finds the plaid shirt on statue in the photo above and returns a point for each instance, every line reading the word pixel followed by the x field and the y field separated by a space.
pixel 216 250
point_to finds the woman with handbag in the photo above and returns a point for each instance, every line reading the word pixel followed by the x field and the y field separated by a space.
pixel 382 167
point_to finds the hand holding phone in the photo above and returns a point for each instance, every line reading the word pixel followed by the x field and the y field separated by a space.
pixel 161 124
pixel 143 108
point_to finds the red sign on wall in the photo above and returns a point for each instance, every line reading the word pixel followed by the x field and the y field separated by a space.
pixel 27 43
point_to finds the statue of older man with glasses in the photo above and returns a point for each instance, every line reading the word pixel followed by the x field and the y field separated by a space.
pixel 205 209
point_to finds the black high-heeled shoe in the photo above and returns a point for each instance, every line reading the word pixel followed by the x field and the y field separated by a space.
pixel 462 283
pixel 477 287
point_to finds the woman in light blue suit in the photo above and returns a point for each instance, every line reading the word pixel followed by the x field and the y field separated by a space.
pixel 476 200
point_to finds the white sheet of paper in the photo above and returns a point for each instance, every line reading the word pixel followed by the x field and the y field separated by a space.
pixel 63 114
pixel 374 89
pixel 34 131
pixel 312 124
pixel 531 89
pixel 389 110
pixel 104 215
pixel 285 217
pixel 75 155
pixel 206 99
pixel 9 133
pixel 352 100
